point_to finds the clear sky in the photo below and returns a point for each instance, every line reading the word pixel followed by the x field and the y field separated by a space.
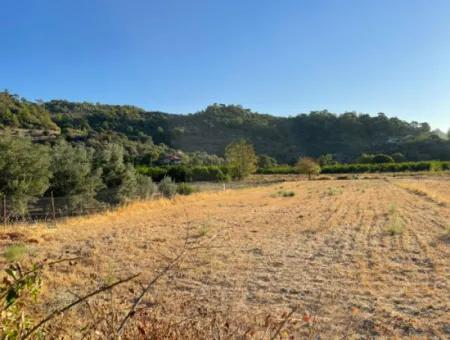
pixel 274 56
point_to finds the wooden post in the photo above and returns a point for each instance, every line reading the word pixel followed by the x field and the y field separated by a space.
pixel 53 207
pixel 5 212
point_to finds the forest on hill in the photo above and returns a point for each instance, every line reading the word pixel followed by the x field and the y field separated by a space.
pixel 149 136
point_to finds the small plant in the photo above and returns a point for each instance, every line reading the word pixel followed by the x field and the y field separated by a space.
pixel 167 187
pixel 185 189
pixel 331 191
pixel 15 252
pixel 392 210
pixel 18 288
pixel 204 230
pixel 283 193
pixel 446 235
pixel 288 194
pixel 395 226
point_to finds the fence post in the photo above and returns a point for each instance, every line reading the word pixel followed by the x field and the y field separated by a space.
pixel 5 212
pixel 53 207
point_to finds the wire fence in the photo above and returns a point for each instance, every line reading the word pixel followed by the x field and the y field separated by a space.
pixel 52 208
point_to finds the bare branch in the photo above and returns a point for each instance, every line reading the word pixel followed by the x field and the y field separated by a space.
pixel 76 302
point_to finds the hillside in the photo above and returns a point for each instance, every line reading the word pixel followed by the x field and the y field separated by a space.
pixel 344 135
pixel 17 112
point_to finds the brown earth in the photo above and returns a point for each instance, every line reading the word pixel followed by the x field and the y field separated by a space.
pixel 350 259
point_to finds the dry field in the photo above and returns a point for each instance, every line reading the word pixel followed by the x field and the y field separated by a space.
pixel 339 259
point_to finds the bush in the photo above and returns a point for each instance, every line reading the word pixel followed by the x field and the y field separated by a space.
pixel 167 187
pixel 185 189
pixel 145 187
pixel 308 166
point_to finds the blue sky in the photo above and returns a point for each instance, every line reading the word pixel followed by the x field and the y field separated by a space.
pixel 274 56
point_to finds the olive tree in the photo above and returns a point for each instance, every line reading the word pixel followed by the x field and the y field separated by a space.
pixel 74 176
pixel 24 172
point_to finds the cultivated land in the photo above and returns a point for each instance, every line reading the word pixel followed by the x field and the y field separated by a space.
pixel 356 258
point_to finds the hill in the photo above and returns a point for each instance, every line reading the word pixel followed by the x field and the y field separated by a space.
pixel 345 135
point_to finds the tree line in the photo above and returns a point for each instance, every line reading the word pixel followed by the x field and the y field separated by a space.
pixel 149 136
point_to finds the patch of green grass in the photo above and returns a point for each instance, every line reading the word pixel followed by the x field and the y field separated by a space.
pixel 15 252
pixel 204 230
pixel 283 193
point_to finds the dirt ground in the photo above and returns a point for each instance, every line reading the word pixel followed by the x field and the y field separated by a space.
pixel 349 259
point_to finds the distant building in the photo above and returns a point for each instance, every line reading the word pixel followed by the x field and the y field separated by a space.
pixel 173 159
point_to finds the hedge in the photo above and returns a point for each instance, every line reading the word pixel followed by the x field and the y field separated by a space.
pixel 364 168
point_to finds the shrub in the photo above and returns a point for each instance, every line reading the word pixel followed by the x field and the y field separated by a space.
pixel 308 166
pixel 145 187
pixel 283 193
pixel 167 187
pixel 185 189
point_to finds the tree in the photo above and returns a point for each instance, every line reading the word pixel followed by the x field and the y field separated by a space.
pixel 398 157
pixel 327 159
pixel 119 178
pixel 365 159
pixel 308 166
pixel 24 172
pixel 265 162
pixel 241 158
pixel 74 176
pixel 381 158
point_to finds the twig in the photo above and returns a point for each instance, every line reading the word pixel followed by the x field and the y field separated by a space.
pixel 147 288
pixel 76 302
pixel 35 269
pixel 283 323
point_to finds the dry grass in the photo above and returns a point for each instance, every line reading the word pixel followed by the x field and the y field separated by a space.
pixel 323 254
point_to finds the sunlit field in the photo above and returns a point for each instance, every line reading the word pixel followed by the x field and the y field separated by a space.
pixel 348 258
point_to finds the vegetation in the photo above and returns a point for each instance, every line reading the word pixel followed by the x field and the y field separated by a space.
pixel 341 222
pixel 365 168
pixel 241 158
pixel 308 166
pixel 73 175
pixel 167 187
pixel 152 138
pixel 185 189
pixel 24 172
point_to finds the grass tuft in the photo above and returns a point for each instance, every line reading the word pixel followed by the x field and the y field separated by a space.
pixel 15 252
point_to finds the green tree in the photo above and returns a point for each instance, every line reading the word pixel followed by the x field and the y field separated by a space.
pixel 119 178
pixel 308 166
pixel 398 157
pixel 74 176
pixel 365 159
pixel 241 158
pixel 265 162
pixel 327 159
pixel 381 158
pixel 24 172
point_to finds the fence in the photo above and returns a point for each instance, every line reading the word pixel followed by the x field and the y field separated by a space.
pixel 52 208
pixel 45 209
